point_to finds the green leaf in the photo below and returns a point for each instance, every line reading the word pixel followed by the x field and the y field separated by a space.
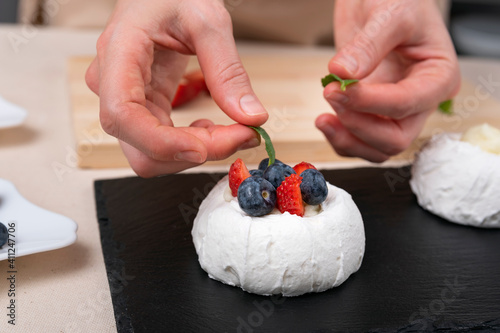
pixel 269 145
pixel 345 83
pixel 332 77
pixel 446 107
pixel 329 79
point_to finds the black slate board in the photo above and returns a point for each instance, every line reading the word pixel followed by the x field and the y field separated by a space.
pixel 419 273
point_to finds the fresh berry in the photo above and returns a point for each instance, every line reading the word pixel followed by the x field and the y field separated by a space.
pixel 313 187
pixel 277 172
pixel 303 166
pixel 289 196
pixel 256 196
pixel 257 173
pixel 4 235
pixel 264 163
pixel 237 173
pixel 192 84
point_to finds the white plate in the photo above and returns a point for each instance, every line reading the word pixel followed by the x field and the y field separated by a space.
pixel 10 114
pixel 36 229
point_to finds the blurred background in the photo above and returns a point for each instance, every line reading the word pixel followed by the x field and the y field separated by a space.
pixel 474 24
pixel 8 11
pixel 475 27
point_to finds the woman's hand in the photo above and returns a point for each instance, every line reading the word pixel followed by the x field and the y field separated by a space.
pixel 141 57
pixel 403 56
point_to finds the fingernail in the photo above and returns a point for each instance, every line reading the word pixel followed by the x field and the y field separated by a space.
pixel 348 62
pixel 252 143
pixel 189 156
pixel 327 129
pixel 251 106
pixel 337 97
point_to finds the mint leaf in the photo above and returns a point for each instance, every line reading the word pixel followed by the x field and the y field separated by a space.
pixel 332 77
pixel 446 107
pixel 345 83
pixel 269 145
pixel 329 79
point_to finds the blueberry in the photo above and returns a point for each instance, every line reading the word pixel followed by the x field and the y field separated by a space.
pixel 256 172
pixel 256 196
pixel 263 164
pixel 4 235
pixel 277 172
pixel 313 187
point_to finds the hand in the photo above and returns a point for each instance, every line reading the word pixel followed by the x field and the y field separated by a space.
pixel 141 57
pixel 403 56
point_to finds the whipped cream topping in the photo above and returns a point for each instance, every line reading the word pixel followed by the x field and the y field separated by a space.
pixel 458 181
pixel 279 253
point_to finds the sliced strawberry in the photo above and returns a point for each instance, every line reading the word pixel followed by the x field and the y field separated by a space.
pixel 303 166
pixel 289 198
pixel 191 85
pixel 238 172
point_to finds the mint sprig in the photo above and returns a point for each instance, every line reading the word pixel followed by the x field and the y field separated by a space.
pixel 269 145
pixel 332 77
pixel 446 106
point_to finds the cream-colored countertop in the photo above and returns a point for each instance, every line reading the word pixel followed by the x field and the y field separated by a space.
pixel 66 290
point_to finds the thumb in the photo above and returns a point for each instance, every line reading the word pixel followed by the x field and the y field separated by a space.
pixel 92 76
pixel 227 79
pixel 358 57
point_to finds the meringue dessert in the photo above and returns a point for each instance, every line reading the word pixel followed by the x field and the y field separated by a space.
pixel 279 253
pixel 457 177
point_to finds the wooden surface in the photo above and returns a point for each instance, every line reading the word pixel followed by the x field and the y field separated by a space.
pixel 289 87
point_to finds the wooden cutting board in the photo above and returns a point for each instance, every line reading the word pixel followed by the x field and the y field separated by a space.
pixel 288 84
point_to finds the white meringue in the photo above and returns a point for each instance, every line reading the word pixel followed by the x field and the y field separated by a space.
pixel 458 180
pixel 485 137
pixel 279 253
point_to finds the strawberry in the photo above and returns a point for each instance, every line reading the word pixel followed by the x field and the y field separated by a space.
pixel 192 84
pixel 303 166
pixel 237 174
pixel 289 198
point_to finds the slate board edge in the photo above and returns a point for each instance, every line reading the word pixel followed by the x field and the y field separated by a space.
pixel 109 247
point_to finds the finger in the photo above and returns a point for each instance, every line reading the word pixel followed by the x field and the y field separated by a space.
pixel 92 76
pixel 387 135
pixel 135 125
pixel 146 167
pixel 222 142
pixel 346 19
pixel 225 75
pixel 161 113
pixel 427 84
pixel 358 57
pixel 125 72
pixel 205 123
pixel 344 143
